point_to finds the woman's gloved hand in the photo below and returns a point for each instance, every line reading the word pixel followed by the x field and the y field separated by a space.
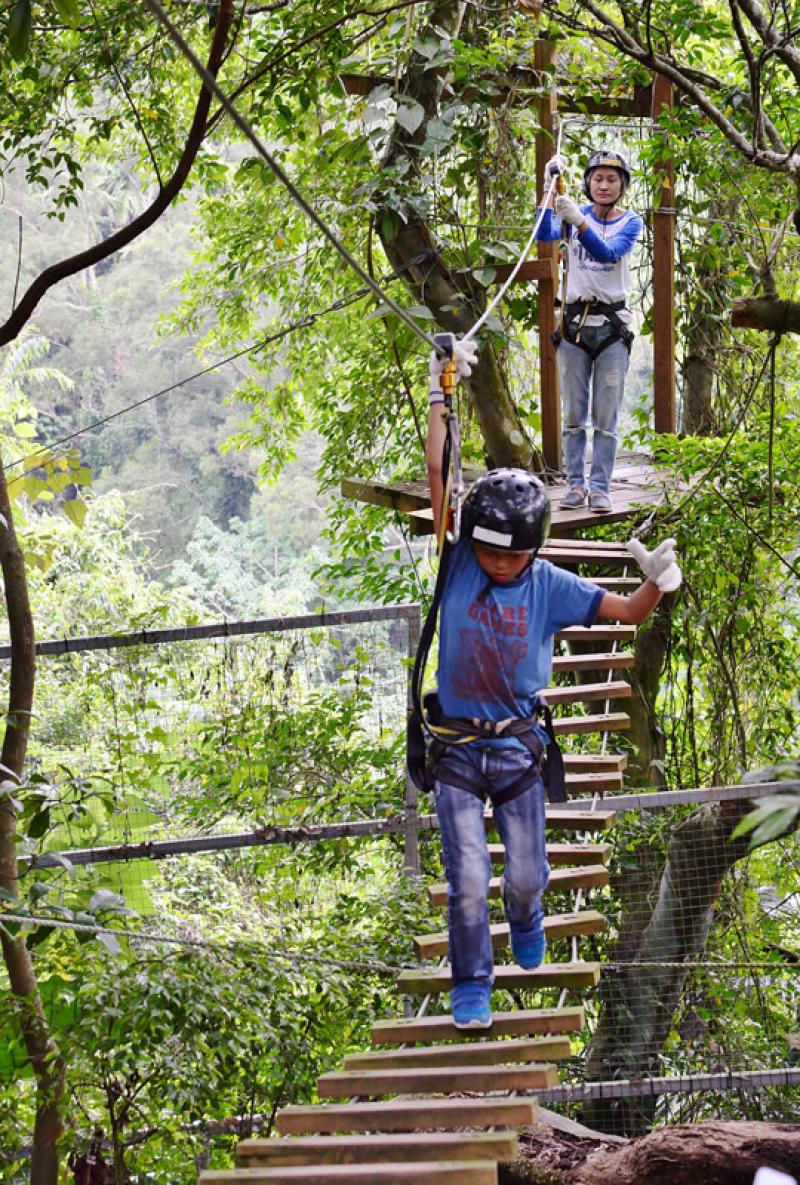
pixel 568 211
pixel 555 167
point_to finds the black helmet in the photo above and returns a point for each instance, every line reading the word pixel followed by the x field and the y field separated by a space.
pixel 606 159
pixel 508 508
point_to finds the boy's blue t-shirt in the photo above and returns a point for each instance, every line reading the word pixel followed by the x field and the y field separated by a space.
pixel 496 640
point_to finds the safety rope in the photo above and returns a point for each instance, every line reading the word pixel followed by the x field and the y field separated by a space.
pixel 305 322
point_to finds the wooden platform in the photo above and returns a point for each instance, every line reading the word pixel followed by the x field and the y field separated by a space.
pixel 636 483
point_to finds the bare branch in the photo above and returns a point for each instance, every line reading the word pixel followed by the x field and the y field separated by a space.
pixel 613 34
pixel 166 194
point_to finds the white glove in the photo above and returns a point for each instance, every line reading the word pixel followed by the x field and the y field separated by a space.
pixel 658 565
pixel 568 211
pixel 555 167
pixel 464 356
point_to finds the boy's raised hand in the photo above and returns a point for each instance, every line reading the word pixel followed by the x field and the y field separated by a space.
pixel 658 565
pixel 555 167
pixel 464 356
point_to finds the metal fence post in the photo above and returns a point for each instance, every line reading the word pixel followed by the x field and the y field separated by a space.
pixel 412 862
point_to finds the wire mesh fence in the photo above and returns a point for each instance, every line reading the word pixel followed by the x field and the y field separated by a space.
pixel 214 729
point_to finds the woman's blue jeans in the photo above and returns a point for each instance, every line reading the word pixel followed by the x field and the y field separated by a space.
pixel 521 826
pixel 597 388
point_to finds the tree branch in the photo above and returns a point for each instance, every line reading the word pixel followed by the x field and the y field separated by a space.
pixel 613 34
pixel 167 193
pixel 782 47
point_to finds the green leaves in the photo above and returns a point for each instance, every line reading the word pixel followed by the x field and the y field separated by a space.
pixel 774 817
pixel 409 115
pixel 69 11
pixel 19 29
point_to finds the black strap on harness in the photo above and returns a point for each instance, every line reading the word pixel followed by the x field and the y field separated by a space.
pixel 574 319
pixel 449 731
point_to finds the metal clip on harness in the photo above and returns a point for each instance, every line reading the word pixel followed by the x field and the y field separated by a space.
pixel 451 454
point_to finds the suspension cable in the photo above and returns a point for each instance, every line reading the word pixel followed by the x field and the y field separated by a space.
pixel 244 126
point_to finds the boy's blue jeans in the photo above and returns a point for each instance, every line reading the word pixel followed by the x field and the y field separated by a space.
pixel 521 826
pixel 595 387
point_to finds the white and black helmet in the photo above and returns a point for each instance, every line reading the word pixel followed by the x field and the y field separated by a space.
pixel 509 509
pixel 606 159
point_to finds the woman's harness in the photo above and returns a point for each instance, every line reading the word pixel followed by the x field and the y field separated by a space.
pixel 574 317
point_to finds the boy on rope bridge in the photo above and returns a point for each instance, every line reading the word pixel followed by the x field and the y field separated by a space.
pixel 593 338
pixel 499 607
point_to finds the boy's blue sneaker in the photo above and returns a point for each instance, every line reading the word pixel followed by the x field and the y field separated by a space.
pixel 470 1005
pixel 528 949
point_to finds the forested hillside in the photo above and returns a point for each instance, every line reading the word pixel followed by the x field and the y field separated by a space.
pixel 103 344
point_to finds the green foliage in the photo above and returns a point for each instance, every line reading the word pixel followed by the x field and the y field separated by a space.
pixel 729 697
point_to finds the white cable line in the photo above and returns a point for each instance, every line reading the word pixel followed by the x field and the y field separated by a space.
pixel 531 239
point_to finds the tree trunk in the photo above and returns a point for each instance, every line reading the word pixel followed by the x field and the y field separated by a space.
pixel 454 298
pixel 641 998
pixel 42 1052
pixel 645 765
pixel 703 342
pixel 767 313
pixel 711 1153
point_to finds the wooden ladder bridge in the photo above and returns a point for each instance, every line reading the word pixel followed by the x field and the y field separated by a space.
pixel 430 1103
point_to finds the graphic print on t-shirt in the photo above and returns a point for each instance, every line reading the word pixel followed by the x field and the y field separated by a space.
pixel 488 657
pixel 479 673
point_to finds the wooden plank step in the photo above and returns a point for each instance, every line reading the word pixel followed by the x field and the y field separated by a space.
pixel 617 584
pixel 562 880
pixel 587 763
pixel 559 854
pixel 472 1053
pixel 564 819
pixel 559 818
pixel 604 632
pixel 579 785
pixel 407 1115
pixel 593 544
pixel 563 925
pixel 587 692
pixel 350 1084
pixel 555 975
pixel 571 554
pixel 578 725
pixel 440 1172
pixel 376 1148
pixel 607 661
pixel 519 1023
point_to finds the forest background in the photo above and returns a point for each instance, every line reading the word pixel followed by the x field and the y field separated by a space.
pixel 152 519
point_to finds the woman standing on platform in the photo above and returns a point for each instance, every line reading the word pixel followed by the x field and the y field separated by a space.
pixel 593 338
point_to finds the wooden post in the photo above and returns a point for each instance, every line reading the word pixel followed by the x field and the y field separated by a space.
pixel 664 276
pixel 544 57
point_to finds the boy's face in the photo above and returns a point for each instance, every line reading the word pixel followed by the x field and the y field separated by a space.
pixel 605 185
pixel 500 565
